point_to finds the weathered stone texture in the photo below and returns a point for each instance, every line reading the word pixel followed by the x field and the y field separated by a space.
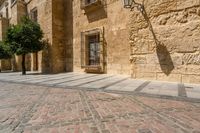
pixel 113 18
pixel 58 37
pixel 5 65
pixel 4 23
pixel 171 49
pixel 18 10
pixel 44 8
pixel 161 42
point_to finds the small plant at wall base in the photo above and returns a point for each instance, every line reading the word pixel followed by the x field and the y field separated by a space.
pixel 5 52
pixel 25 38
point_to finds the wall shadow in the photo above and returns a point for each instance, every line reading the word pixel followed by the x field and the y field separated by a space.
pixel 164 57
pixel 69 35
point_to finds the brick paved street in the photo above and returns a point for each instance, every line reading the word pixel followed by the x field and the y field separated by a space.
pixel 37 109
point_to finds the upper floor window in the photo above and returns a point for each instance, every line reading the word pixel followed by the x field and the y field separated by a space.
pixel 34 14
pixel 87 2
pixel 12 1
pixel 7 14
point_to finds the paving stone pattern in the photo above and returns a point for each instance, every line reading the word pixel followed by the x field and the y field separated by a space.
pixel 41 109
pixel 108 83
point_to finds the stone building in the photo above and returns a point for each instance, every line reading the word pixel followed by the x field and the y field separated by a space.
pixel 159 42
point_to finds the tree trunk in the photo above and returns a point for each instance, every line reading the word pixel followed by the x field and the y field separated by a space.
pixel 0 65
pixel 23 64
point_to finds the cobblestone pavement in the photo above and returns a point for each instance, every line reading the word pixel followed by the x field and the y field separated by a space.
pixel 37 109
pixel 107 83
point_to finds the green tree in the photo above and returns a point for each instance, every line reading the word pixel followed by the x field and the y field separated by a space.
pixel 5 52
pixel 25 38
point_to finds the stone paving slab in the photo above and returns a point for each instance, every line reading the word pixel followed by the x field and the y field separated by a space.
pixel 127 85
pixel 67 80
pixel 159 88
pixel 40 109
pixel 106 82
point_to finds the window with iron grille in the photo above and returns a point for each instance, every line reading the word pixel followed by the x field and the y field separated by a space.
pixel 90 3
pixel 12 1
pixel 91 48
pixel 34 14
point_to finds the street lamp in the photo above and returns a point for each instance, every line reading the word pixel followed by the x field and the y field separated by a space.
pixel 131 4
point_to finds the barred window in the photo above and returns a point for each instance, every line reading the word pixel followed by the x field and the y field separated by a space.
pixel 12 1
pixel 34 14
pixel 92 48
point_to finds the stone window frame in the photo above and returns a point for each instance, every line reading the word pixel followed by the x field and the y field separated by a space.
pixel 84 51
pixel 7 13
pixel 13 2
pixel 32 14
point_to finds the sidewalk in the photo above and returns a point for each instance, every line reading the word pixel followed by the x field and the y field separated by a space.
pixel 107 83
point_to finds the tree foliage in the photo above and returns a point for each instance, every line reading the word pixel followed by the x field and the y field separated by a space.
pixel 25 37
pixel 5 52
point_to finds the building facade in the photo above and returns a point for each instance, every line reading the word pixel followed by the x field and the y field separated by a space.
pixel 159 42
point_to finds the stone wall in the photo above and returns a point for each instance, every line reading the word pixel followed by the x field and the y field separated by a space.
pixel 68 15
pixel 165 41
pixel 113 18
pixel 5 65
pixel 58 35
pixel 18 10
pixel 44 8
pixel 51 20
pixel 4 23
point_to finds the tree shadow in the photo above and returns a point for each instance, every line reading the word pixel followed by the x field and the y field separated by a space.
pixel 162 52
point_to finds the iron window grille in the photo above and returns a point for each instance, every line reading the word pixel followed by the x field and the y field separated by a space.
pixel 34 14
pixel 92 47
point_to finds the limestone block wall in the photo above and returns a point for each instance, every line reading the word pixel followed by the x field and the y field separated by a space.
pixel 4 23
pixel 51 19
pixel 114 19
pixel 5 65
pixel 165 41
pixel 58 48
pixel 68 28
pixel 44 8
pixel 18 10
